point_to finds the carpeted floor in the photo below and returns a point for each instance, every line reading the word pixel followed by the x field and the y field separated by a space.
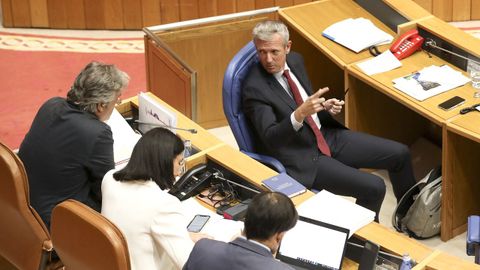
pixel 35 68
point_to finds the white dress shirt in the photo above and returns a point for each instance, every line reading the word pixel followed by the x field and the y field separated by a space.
pixel 283 81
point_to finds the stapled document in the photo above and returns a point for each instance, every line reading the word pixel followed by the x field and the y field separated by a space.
pixel 330 208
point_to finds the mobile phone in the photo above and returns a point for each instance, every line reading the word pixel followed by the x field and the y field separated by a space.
pixel 197 223
pixel 369 256
pixel 451 103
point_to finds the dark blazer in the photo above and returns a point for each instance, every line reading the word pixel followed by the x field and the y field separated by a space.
pixel 240 254
pixel 268 108
pixel 66 153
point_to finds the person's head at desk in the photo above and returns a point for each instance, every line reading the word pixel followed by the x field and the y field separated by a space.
pixel 269 216
pixel 137 201
pixel 98 88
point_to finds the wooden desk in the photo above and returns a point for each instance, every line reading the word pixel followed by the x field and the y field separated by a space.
pixel 440 260
pixel 255 172
pixel 374 106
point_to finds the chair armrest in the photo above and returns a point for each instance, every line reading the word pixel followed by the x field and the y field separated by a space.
pixel 473 234
pixel 266 160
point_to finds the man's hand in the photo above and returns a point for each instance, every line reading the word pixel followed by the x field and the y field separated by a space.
pixel 333 106
pixel 312 104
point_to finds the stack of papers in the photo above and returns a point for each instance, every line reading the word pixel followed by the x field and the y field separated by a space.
pixel 330 208
pixel 430 81
pixel 356 34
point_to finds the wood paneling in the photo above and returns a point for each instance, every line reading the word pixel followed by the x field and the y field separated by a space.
pixel 135 14
pixel 57 14
pixel 226 6
pixel 442 9
pixel 188 10
pixel 132 15
pixel 75 10
pixel 245 5
pixel 167 79
pixel 39 13
pixel 190 45
pixel 21 13
pixel 284 3
pixel 94 14
pixel 461 10
pixel 475 15
pixel 114 14
pixel 207 8
pixel 169 11
pixel 7 13
pixel 151 12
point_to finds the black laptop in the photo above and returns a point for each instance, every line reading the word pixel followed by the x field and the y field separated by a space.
pixel 314 245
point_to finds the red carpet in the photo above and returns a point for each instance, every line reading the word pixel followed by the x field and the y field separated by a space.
pixel 28 78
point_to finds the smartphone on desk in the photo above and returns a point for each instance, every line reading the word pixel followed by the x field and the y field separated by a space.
pixel 197 223
pixel 451 103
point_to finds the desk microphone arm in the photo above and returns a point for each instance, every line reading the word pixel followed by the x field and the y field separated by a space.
pixel 191 130
pixel 433 44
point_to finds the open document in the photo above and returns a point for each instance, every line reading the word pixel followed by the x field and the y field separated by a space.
pixel 124 138
pixel 430 81
pixel 356 34
pixel 330 208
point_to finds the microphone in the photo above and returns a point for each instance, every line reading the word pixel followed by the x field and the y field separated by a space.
pixel 191 130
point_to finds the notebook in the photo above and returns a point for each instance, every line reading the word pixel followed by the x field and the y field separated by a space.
pixel 314 245
pixel 285 184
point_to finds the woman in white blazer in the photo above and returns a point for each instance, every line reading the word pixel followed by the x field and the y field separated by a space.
pixel 137 201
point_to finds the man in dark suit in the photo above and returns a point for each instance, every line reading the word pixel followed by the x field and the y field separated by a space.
pixel 69 148
pixel 295 125
pixel 269 216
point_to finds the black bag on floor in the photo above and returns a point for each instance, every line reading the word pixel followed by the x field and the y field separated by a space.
pixel 422 220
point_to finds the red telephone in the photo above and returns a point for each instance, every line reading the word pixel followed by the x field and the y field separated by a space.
pixel 407 44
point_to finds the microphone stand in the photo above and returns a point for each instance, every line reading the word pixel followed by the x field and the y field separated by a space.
pixel 191 130
pixel 431 43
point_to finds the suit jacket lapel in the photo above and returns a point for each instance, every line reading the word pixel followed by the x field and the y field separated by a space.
pixel 281 92
pixel 301 76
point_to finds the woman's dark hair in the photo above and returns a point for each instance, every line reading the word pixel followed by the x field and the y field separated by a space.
pixel 269 213
pixel 152 158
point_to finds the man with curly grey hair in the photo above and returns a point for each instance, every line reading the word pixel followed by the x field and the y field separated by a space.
pixel 69 147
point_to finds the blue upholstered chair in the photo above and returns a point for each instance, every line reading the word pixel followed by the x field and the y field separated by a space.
pixel 236 72
pixel 473 237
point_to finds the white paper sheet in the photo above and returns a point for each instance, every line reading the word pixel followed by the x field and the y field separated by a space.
pixel 383 62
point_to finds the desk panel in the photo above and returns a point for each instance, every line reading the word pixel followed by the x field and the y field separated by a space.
pixel 311 19
pixel 460 186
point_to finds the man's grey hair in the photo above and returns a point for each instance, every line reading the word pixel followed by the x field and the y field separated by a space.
pixel 266 29
pixel 97 83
